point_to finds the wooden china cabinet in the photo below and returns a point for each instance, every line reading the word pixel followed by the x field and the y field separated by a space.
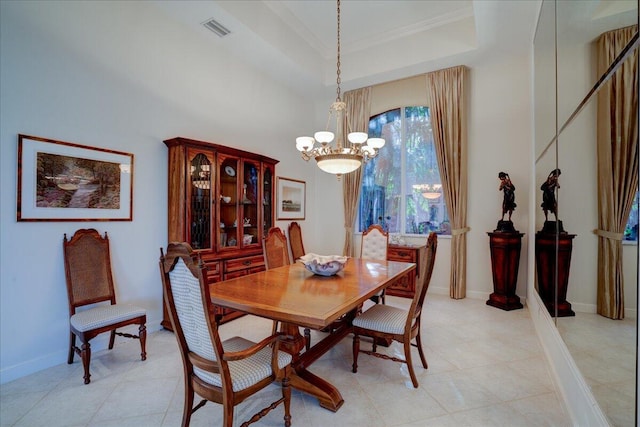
pixel 221 201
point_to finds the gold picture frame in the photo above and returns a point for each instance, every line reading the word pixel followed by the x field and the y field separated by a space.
pixel 291 201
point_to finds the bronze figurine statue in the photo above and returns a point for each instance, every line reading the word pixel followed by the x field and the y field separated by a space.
pixel 549 202
pixel 509 200
pixel 508 203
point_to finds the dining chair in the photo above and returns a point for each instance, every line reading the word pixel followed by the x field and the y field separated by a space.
pixel 374 246
pixel 295 241
pixel 87 266
pixel 225 372
pixel 274 247
pixel 393 323
pixel 276 254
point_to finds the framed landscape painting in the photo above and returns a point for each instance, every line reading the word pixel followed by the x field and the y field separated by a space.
pixel 291 199
pixel 63 181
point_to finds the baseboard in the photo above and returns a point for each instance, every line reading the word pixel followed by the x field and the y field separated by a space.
pixel 593 309
pixel 59 357
pixel 470 294
pixel 576 394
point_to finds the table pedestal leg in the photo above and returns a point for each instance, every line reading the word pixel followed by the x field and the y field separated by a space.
pixel 301 379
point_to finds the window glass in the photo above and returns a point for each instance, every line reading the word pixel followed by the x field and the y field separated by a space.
pixel 401 187
pixel 631 231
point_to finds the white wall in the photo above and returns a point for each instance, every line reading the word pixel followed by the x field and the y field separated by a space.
pixel 123 77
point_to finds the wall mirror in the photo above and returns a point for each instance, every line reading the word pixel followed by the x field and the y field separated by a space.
pixel 603 349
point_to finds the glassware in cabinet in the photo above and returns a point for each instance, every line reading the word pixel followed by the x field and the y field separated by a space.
pixel 249 201
pixel 267 197
pixel 229 202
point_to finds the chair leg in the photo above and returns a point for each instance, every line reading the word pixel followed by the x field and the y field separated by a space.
pixel 227 418
pixel 356 350
pixel 142 333
pixel 407 358
pixel 72 347
pixel 286 394
pixel 188 403
pixel 421 352
pixel 112 339
pixel 85 354
pixel 307 338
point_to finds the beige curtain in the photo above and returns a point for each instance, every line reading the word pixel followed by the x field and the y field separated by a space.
pixel 617 166
pixel 448 106
pixel 358 112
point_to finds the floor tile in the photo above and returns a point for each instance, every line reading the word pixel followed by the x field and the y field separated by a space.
pixel 486 367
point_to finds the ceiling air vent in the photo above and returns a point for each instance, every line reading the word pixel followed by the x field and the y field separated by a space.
pixel 216 27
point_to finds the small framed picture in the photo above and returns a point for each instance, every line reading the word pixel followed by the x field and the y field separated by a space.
pixel 291 198
pixel 63 181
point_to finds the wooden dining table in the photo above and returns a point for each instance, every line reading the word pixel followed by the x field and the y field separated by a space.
pixel 296 297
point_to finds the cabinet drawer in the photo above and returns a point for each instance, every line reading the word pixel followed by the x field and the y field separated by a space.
pixel 403 287
pixel 213 268
pixel 401 254
pixel 245 263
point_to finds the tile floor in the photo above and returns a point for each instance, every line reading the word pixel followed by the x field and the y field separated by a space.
pixel 486 368
pixel 605 352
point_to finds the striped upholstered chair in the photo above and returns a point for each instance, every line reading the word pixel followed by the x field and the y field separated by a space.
pixel 87 266
pixel 225 372
pixel 393 323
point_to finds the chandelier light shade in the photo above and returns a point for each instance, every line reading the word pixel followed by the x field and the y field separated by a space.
pixel 429 191
pixel 340 158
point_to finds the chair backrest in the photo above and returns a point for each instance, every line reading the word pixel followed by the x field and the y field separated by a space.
pixel 87 267
pixel 295 241
pixel 274 246
pixel 426 269
pixel 190 309
pixel 374 243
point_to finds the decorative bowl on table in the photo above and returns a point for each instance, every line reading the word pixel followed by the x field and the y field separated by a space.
pixel 324 265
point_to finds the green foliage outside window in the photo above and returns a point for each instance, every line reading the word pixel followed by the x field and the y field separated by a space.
pixel 396 183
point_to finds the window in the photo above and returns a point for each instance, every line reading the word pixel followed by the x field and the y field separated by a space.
pixel 401 187
pixel 631 231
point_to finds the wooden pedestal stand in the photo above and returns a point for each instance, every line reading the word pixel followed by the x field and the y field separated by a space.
pixel 505 259
pixel 547 272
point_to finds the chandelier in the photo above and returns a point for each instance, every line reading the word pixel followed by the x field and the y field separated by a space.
pixel 339 159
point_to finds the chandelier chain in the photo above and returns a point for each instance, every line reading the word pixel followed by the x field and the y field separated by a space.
pixel 338 99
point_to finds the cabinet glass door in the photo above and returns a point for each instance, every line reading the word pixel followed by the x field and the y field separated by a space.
pixel 200 200
pixel 250 206
pixel 267 199
pixel 229 203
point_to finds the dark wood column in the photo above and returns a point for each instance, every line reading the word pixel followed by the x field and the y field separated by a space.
pixel 548 269
pixel 505 259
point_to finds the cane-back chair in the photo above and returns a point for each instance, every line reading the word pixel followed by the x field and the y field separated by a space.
pixel 393 323
pixel 225 372
pixel 276 254
pixel 295 241
pixel 87 265
pixel 274 247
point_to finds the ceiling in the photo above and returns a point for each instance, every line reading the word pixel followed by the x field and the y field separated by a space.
pixel 295 41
